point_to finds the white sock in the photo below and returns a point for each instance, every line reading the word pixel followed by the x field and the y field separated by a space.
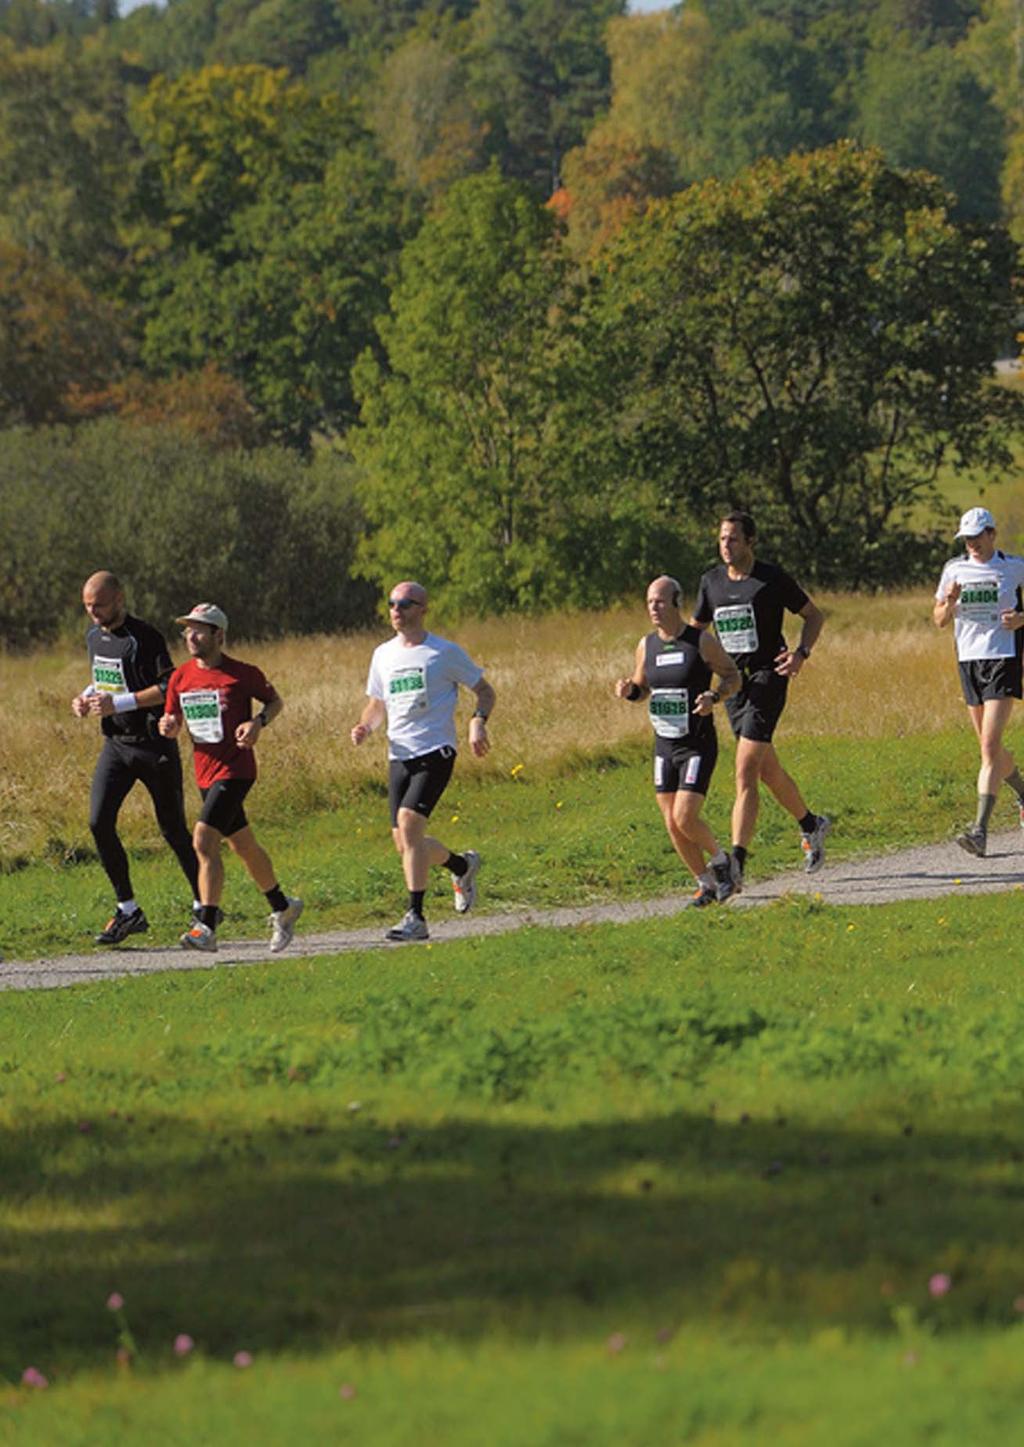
pixel 127 906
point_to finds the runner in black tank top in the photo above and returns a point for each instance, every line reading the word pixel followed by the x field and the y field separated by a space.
pixel 672 671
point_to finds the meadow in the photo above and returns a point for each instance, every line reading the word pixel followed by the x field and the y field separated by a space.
pixel 711 1179
pixel 561 808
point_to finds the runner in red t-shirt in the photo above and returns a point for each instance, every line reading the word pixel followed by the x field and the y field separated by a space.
pixel 213 695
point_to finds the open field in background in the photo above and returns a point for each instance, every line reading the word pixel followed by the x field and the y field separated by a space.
pixel 729 1180
pixel 881 671
pixel 562 810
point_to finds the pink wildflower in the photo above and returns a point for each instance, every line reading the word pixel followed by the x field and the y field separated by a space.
pixel 183 1344
pixel 940 1283
pixel 243 1359
pixel 616 1342
pixel 346 1391
pixel 115 1301
pixel 32 1377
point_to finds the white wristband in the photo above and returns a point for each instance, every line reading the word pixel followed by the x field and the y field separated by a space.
pixel 124 702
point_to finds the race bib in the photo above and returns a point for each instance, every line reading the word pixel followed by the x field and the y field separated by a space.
pixel 669 711
pixel 737 628
pixel 108 675
pixel 201 707
pixel 979 601
pixel 407 691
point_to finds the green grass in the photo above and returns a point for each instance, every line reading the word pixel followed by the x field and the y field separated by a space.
pixel 686 1181
pixel 587 830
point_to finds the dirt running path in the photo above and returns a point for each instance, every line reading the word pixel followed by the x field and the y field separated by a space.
pixel 921 873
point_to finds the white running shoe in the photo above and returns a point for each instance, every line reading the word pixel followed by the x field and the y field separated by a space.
pixel 411 927
pixel 200 937
pixel 464 886
pixel 282 925
pixel 813 844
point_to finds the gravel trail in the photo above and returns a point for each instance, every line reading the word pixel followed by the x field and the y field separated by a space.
pixel 925 872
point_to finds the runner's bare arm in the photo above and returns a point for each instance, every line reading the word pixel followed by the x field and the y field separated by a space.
pixel 247 734
pixel 633 688
pixel 485 700
pixel 715 656
pixel 102 704
pixel 789 661
pixel 945 607
pixel 371 718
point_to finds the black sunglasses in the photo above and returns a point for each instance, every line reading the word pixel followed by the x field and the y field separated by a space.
pixel 402 603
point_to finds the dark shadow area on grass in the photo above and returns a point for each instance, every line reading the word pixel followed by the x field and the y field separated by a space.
pixel 301 1238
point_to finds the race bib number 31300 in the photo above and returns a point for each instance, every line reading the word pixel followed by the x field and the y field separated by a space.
pixel 201 707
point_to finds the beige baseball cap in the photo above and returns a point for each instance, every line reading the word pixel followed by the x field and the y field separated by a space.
pixel 206 613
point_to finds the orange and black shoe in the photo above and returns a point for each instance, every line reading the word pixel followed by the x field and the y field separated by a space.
pixel 121 925
pixel 199 936
pixel 704 895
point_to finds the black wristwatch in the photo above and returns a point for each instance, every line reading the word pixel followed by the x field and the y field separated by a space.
pixel 804 653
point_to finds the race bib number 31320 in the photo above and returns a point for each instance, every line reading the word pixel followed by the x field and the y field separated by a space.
pixel 737 628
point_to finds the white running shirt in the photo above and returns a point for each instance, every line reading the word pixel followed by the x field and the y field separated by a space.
pixel 988 589
pixel 419 687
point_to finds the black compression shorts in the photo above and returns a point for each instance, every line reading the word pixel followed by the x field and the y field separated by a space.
pixel 222 805
pixel 682 769
pixel 418 783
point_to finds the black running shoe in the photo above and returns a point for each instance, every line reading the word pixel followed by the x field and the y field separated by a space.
pixel 122 925
pixel 724 886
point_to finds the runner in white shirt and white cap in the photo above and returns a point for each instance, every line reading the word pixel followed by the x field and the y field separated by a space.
pixel 413 687
pixel 981 593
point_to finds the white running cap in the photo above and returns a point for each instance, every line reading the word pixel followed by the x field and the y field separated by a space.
pixel 974 521
pixel 216 617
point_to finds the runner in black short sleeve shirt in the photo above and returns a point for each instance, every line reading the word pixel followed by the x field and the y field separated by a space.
pixel 980 593
pixel 129 666
pixel 672 671
pixel 746 600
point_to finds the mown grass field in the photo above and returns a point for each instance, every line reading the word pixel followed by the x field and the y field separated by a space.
pixel 719 1179
pixel 694 1182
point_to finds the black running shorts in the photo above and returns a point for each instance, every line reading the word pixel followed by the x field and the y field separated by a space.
pixel 418 783
pixel 757 708
pixel 222 805
pixel 985 678
pixel 679 768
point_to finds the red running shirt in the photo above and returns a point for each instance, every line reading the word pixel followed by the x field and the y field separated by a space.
pixel 213 702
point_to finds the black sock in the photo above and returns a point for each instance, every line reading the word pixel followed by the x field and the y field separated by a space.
pixel 416 902
pixel 276 898
pixel 456 864
pixel 208 915
pixel 1016 783
pixel 986 803
pixel 808 823
pixel 739 854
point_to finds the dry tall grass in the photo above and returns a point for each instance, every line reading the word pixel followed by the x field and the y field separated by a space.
pixel 882 669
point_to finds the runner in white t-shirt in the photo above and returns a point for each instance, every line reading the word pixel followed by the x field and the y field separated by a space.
pixel 980 592
pixel 413 687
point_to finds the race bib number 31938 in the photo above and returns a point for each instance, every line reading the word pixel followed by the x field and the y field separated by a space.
pixel 201 707
pixel 669 710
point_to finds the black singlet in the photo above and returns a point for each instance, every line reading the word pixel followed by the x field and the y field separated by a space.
pixel 676 673
pixel 132 657
pixel 747 612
